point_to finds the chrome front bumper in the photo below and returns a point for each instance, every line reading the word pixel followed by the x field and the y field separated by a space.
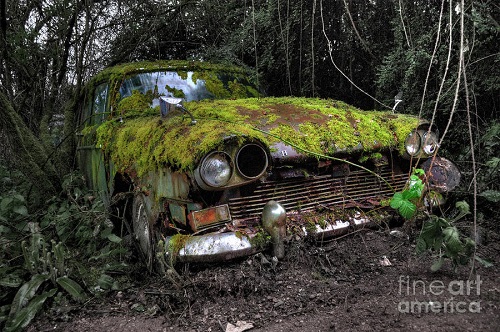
pixel 217 247
pixel 213 247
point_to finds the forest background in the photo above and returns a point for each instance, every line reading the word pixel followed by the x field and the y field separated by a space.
pixel 441 58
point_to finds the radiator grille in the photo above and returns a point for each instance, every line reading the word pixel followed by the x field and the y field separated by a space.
pixel 309 193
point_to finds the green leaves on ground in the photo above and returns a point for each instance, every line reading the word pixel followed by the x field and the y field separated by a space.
pixel 441 237
pixel 37 260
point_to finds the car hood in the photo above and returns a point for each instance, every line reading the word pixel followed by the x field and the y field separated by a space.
pixel 299 126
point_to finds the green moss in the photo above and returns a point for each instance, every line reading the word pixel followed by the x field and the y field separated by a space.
pixel 177 93
pixel 148 142
pixel 175 244
pixel 373 156
pixel 260 240
pixel 137 102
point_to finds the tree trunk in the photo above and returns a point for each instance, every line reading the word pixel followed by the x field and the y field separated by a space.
pixel 30 157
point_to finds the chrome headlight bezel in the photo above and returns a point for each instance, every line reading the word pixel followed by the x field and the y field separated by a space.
pixel 216 169
pixel 429 143
pixel 413 143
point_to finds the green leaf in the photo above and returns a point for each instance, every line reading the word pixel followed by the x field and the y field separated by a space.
pixel 491 195
pixel 437 264
pixel 483 262
pixel 72 287
pixel 418 171
pixel 421 245
pixel 452 240
pixel 493 163
pixel 11 280
pixel 413 193
pixel 396 200
pixel 19 198
pixel 26 293
pixel 23 317
pixel 21 210
pixel 105 281
pixel 114 238
pixel 463 206
pixel 407 209
pixel 4 229
pixel 4 311
pixel 5 202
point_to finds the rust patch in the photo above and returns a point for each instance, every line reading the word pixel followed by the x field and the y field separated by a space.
pixel 283 114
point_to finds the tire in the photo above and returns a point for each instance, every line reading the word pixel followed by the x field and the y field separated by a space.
pixel 144 232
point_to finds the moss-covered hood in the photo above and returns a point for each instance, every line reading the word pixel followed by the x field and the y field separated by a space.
pixel 313 126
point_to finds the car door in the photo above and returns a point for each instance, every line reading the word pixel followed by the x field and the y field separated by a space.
pixel 91 159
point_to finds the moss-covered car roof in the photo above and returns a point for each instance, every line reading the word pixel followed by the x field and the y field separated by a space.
pixel 144 141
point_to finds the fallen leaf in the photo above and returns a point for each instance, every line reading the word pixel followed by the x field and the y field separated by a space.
pixel 239 327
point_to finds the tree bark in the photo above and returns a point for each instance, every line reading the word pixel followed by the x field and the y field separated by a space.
pixel 30 157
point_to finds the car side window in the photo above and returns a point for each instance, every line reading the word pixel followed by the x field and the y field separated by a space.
pixel 100 103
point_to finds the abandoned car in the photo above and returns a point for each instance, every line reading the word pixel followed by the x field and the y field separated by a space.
pixel 204 169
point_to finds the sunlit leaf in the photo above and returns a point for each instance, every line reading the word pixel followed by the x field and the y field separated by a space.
pixel 396 200
pixel 407 209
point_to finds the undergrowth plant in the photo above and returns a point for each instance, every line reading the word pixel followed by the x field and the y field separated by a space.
pixel 65 253
pixel 405 202
pixel 442 238
pixel 439 235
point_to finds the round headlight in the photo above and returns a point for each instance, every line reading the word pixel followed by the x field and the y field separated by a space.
pixel 216 169
pixel 412 143
pixel 251 161
pixel 430 143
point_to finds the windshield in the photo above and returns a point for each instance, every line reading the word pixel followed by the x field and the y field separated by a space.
pixel 188 85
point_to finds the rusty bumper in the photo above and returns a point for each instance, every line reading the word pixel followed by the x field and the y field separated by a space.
pixel 217 247
pixel 442 176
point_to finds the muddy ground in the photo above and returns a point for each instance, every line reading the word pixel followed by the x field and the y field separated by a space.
pixel 371 280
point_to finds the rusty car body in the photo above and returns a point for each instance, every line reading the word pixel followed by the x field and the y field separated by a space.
pixel 205 169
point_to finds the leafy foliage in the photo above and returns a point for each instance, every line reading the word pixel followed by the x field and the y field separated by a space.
pixel 406 201
pixel 38 259
pixel 440 236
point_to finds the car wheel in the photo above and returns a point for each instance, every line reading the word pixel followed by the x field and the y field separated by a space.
pixel 142 224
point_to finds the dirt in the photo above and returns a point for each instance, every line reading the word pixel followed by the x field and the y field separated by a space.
pixel 371 280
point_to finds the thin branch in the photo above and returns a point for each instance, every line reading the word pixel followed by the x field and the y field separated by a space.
pixel 365 46
pixel 459 75
pixel 335 65
pixel 403 23
pixel 255 43
pixel 436 44
pixel 312 45
pixel 285 43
